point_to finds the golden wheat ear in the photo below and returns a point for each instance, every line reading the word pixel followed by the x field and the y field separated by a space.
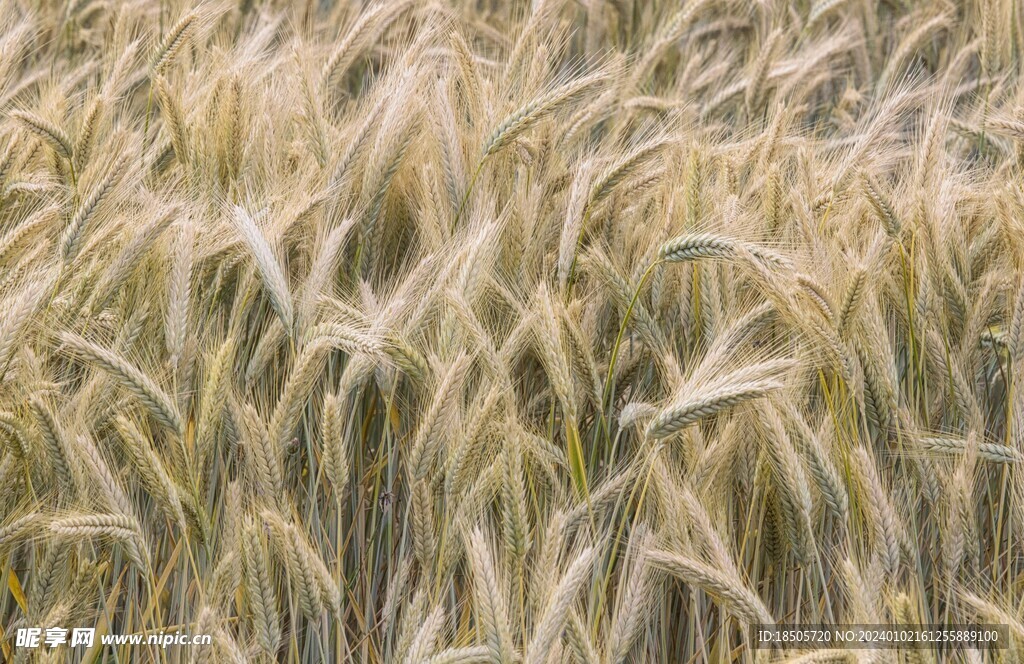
pixel 268 265
pixel 130 377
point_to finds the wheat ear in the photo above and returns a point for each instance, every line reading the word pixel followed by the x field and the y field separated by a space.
pixel 130 377
pixel 152 470
pixel 172 41
pixel 46 130
pixel 552 621
pixel 537 109
pixel 469 655
pixel 633 602
pixel 734 595
pixel 993 452
pixel 708 401
pixel 119 527
pixel 260 590
pixel 490 603
pixel 268 265
pixel 74 235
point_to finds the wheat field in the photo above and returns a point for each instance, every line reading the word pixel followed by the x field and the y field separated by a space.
pixel 589 331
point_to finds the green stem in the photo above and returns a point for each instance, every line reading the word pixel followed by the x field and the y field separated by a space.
pixel 608 384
